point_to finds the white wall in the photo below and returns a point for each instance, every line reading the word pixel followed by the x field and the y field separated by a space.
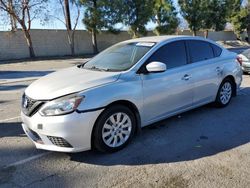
pixel 54 42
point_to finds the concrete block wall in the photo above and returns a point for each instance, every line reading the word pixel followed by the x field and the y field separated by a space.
pixel 13 45
pixel 213 35
pixel 55 43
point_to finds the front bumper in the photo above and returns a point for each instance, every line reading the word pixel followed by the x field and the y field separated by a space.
pixel 66 133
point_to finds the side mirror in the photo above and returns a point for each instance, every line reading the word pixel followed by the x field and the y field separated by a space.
pixel 155 67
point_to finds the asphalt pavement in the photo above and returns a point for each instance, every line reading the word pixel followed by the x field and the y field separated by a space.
pixel 205 147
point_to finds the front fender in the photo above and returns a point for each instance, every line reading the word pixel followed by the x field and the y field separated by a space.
pixel 126 88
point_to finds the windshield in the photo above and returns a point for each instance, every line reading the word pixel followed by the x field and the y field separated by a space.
pixel 120 57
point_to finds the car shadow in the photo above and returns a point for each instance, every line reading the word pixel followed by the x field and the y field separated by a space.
pixel 22 74
pixel 12 87
pixel 199 133
pixel 2 102
pixel 11 129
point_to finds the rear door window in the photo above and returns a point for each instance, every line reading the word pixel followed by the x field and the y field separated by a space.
pixel 172 54
pixel 200 50
pixel 217 50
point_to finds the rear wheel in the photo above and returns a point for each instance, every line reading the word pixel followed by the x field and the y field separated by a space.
pixel 114 129
pixel 225 93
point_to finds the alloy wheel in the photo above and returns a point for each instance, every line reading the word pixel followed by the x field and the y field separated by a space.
pixel 117 130
pixel 226 93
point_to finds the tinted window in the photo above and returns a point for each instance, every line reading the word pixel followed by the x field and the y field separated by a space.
pixel 172 54
pixel 200 50
pixel 217 50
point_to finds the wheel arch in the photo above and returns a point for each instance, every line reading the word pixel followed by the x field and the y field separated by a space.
pixel 128 104
pixel 232 79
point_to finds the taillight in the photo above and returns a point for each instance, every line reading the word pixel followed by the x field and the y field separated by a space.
pixel 239 60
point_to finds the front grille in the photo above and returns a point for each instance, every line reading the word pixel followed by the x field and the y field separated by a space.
pixel 58 141
pixel 30 106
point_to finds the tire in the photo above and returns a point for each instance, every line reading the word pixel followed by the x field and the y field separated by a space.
pixel 225 93
pixel 245 73
pixel 114 129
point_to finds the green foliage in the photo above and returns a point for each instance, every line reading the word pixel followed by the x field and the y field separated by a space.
pixel 193 13
pixel 241 20
pixel 208 14
pixel 165 16
pixel 234 6
pixel 215 14
pixel 100 14
pixel 136 14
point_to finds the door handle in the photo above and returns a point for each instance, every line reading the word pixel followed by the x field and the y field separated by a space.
pixel 186 77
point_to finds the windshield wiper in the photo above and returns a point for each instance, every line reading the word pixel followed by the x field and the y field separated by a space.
pixel 98 69
pixel 91 68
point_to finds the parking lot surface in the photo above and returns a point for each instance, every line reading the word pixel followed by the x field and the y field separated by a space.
pixel 205 147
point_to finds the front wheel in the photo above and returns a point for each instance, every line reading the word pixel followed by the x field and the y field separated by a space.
pixel 225 93
pixel 114 129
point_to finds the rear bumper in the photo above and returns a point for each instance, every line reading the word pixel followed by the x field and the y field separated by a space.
pixel 67 133
pixel 246 66
pixel 246 69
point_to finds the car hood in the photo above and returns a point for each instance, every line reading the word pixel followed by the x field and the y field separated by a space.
pixel 68 81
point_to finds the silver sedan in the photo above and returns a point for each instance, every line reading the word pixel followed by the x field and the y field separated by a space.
pixel 102 104
pixel 244 58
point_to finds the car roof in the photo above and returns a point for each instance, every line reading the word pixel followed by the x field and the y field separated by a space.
pixel 159 39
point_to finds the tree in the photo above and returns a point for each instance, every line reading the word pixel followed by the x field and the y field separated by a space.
pixel 193 13
pixel 207 14
pixel 214 15
pixel 241 20
pixel 24 12
pixel 165 16
pixel 239 16
pixel 100 15
pixel 12 18
pixel 66 13
pixel 234 6
pixel 136 14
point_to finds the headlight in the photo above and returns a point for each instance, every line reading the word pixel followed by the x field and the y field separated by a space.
pixel 61 106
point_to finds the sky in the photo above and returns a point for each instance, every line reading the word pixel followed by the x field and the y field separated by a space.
pixel 53 23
